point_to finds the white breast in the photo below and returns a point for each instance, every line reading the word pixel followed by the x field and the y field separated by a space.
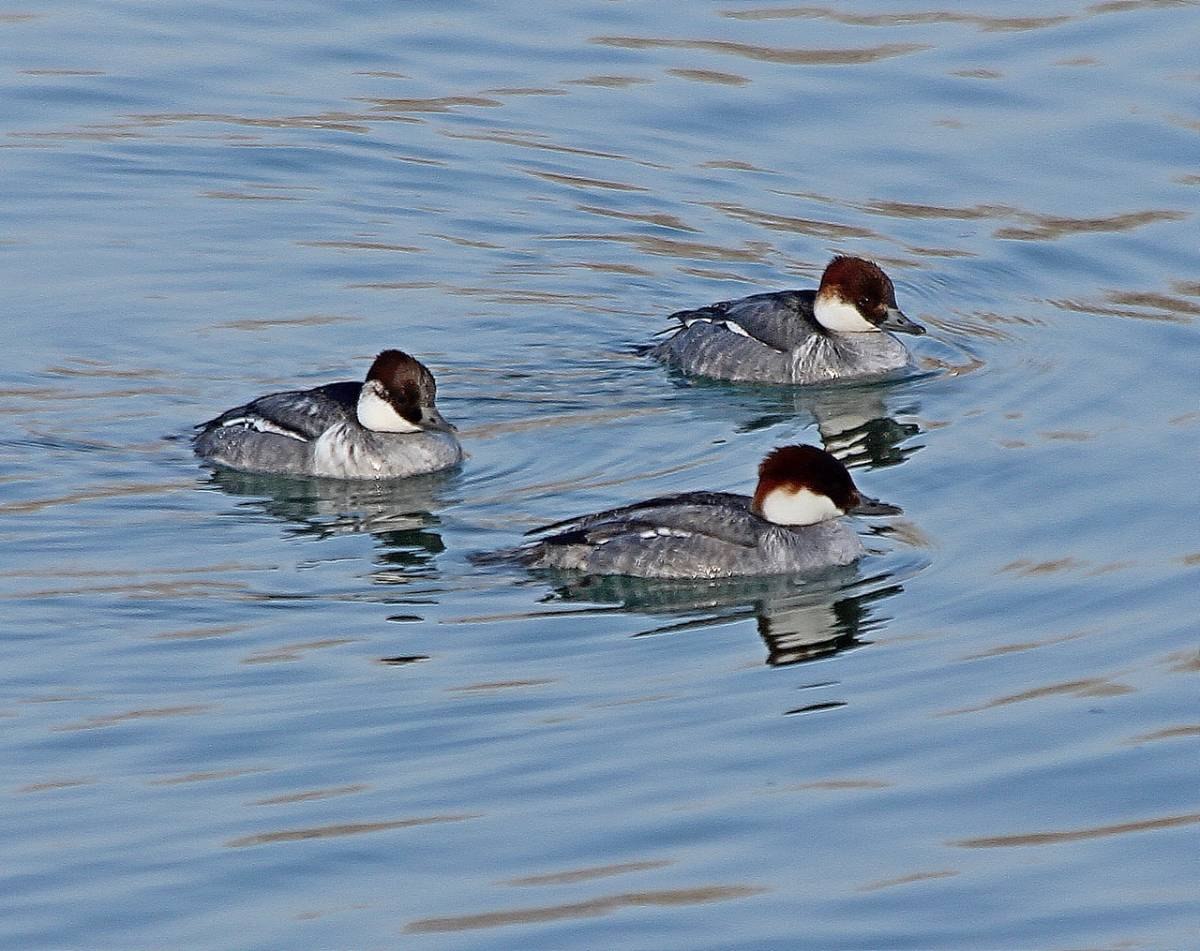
pixel 337 454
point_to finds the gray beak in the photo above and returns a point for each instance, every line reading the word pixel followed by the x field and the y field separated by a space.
pixel 432 419
pixel 869 506
pixel 897 321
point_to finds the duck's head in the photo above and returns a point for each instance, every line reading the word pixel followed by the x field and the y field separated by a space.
pixel 855 296
pixel 398 396
pixel 804 485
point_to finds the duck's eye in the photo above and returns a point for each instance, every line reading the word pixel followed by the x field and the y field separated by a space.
pixel 864 303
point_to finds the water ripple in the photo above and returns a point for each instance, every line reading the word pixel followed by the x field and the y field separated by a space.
pixel 341 830
pixel 1076 835
pixel 769 54
pixel 585 909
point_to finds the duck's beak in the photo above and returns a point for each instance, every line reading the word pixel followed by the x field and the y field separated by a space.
pixel 869 506
pixel 432 419
pixel 897 321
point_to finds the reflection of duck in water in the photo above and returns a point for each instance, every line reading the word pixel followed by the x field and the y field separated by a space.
pixel 399 514
pixel 798 620
pixel 792 523
pixel 838 332
pixel 386 427
pixel 858 427
pixel 858 424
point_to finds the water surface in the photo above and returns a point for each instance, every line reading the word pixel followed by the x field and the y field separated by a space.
pixel 279 714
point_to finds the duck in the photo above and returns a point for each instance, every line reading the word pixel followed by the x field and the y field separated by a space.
pixel 842 331
pixel 792 523
pixel 385 427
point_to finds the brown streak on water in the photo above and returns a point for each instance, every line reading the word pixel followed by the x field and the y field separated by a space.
pixel 150 591
pixel 735 165
pixel 204 777
pixel 288 652
pixel 435 104
pixel 311 795
pixel 586 874
pixel 112 719
pixel 532 140
pixel 467 242
pixel 819 229
pixel 608 82
pixel 710 76
pixel 1185 662
pixel 1076 835
pixel 270 323
pixel 1085 687
pixel 585 909
pixel 1025 568
pixel 246 196
pixel 1049 228
pixel 344 829
pixel 578 181
pixel 839 784
pixel 913 210
pixel 906 880
pixel 525 91
pixel 50 785
pixel 362 246
pixel 768 54
pixel 659 219
pixel 338 121
pixel 984 23
pixel 1172 310
pixel 1023 646
pixel 499 685
pixel 754 251
pixel 1167 733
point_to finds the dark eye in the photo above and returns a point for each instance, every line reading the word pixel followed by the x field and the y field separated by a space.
pixel 864 303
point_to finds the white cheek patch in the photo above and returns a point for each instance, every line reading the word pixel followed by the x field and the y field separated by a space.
pixel 805 507
pixel 378 415
pixel 837 315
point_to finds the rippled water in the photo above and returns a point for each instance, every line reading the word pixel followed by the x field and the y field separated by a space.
pixel 253 713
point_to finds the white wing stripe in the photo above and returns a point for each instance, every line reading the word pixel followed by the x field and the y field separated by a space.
pixel 263 425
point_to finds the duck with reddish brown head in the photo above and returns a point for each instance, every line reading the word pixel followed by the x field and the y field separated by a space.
pixel 841 331
pixel 792 523
pixel 386 427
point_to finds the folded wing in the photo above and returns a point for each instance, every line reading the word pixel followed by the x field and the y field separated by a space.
pixel 720 516
pixel 302 414
pixel 782 320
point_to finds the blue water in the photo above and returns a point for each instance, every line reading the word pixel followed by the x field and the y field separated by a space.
pixel 249 713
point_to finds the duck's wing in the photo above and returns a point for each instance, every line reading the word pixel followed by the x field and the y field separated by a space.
pixel 782 320
pixel 298 414
pixel 722 516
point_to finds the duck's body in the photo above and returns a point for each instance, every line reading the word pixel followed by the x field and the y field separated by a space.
pixel 791 524
pixel 837 332
pixel 386 427
pixel 694 535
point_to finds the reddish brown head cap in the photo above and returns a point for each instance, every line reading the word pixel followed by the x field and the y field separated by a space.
pixel 795 468
pixel 861 283
pixel 408 386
